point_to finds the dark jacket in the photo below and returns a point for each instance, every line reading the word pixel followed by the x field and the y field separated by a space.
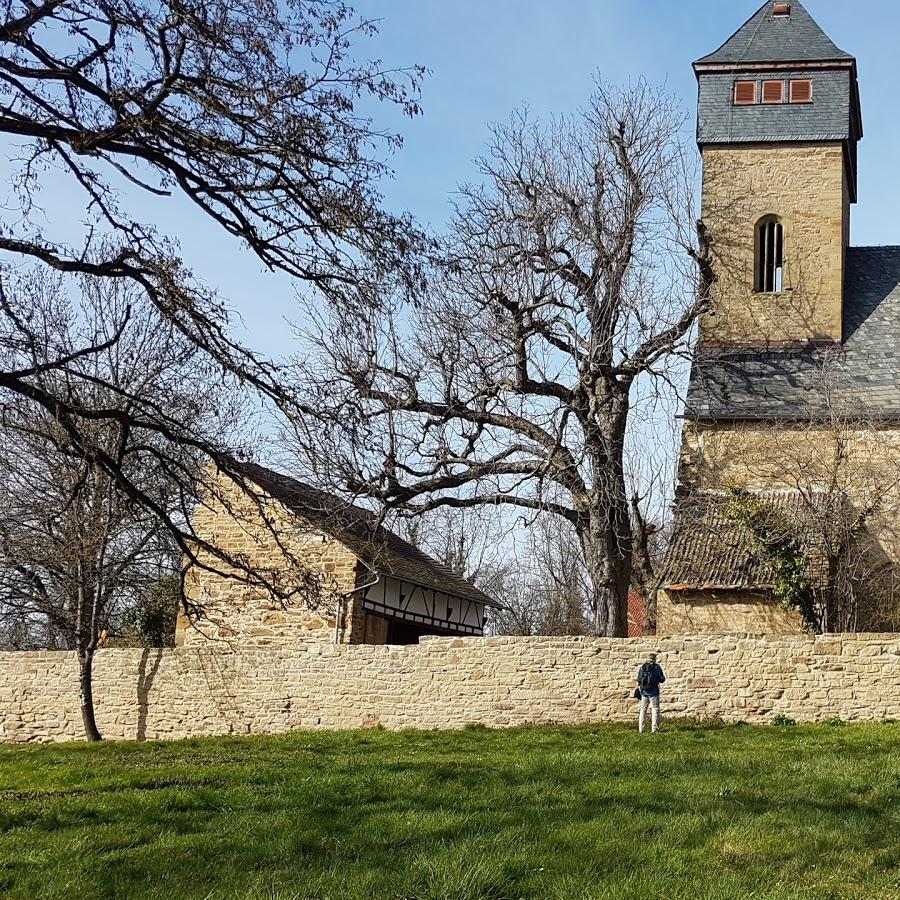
pixel 655 681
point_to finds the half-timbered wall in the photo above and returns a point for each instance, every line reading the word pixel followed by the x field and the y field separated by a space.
pixel 421 606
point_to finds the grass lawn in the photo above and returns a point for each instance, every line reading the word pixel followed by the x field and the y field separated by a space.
pixel 811 812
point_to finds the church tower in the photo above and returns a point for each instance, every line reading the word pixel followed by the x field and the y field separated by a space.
pixel 778 126
pixel 792 418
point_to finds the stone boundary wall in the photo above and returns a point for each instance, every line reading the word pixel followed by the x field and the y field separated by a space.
pixel 446 683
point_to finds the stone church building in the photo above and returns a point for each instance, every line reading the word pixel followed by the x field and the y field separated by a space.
pixel 793 408
pixel 324 571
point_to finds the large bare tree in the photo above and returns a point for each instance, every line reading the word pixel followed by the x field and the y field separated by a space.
pixel 251 112
pixel 574 273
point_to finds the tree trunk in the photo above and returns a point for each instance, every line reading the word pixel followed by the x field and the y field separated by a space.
pixel 85 675
pixel 643 576
pixel 611 602
pixel 607 553
pixel 606 537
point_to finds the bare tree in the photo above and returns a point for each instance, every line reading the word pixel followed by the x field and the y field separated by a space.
pixel 76 551
pixel 575 273
pixel 249 110
pixel 542 583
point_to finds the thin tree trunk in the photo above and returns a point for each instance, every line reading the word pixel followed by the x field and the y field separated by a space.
pixel 85 677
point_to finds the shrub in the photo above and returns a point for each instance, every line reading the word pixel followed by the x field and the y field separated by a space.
pixel 782 721
pixel 151 621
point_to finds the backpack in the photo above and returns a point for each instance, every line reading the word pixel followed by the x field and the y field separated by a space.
pixel 647 678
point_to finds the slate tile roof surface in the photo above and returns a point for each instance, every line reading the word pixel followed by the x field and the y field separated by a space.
pixel 358 529
pixel 766 37
pixel 709 550
pixel 862 377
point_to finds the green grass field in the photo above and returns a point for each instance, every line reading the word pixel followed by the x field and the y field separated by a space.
pixel 809 812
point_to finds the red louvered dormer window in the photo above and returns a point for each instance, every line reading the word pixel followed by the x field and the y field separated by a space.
pixel 801 91
pixel 773 92
pixel 744 93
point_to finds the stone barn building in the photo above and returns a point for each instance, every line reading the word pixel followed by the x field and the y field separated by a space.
pixel 356 582
pixel 794 397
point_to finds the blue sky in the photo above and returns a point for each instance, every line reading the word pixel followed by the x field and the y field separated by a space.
pixel 488 58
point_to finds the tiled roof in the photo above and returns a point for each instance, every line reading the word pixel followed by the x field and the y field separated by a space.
pixel 861 378
pixel 766 37
pixel 358 530
pixel 709 550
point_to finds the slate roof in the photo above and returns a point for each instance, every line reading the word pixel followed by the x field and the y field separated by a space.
pixel 769 38
pixel 861 378
pixel 711 551
pixel 358 529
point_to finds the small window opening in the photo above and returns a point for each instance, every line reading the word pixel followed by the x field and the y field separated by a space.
pixel 744 93
pixel 773 92
pixel 782 9
pixel 769 256
pixel 801 91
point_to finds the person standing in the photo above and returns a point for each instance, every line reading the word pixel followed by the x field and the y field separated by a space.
pixel 649 677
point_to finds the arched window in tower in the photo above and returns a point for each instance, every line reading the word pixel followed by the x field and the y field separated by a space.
pixel 769 256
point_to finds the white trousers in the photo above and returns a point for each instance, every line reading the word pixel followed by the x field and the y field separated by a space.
pixel 653 703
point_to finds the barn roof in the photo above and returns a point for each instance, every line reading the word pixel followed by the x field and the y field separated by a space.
pixel 710 550
pixel 360 531
pixel 860 378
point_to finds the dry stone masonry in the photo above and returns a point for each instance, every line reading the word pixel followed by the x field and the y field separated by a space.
pixel 446 683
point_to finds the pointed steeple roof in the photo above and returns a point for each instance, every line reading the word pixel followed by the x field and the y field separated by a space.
pixel 767 37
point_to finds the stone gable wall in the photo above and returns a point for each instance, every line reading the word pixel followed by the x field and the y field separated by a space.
pixel 446 683
pixel 235 611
